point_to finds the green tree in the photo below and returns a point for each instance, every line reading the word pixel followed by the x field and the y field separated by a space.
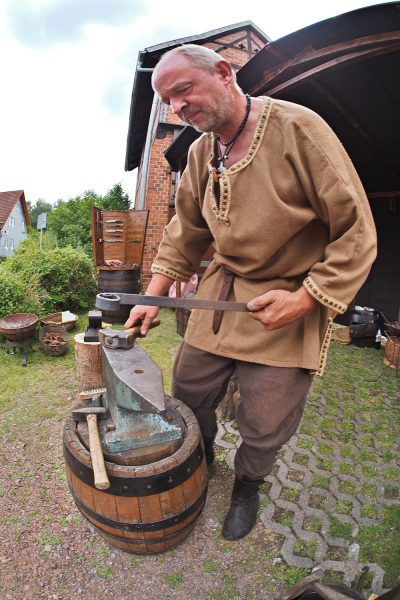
pixel 40 206
pixel 70 221
pixel 115 199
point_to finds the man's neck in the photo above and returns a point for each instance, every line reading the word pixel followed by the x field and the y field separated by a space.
pixel 238 113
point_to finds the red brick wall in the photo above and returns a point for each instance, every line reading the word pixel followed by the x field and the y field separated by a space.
pixel 236 56
pixel 157 198
pixel 159 181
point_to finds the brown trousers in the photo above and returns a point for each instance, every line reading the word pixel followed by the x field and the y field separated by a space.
pixel 271 405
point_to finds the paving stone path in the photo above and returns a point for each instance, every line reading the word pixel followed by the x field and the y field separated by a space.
pixel 339 471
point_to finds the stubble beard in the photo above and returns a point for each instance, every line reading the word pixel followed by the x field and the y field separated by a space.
pixel 214 119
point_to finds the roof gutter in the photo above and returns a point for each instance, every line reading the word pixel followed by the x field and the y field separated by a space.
pixel 147 150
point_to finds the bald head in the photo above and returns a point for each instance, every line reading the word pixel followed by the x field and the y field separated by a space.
pixel 198 56
pixel 199 86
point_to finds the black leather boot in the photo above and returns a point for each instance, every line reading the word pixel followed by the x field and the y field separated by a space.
pixel 209 450
pixel 242 513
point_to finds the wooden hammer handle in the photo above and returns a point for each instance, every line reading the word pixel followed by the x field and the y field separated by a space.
pixel 101 481
pixel 135 331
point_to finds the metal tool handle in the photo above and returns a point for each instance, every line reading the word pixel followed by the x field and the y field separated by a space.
pixel 108 301
pixel 101 481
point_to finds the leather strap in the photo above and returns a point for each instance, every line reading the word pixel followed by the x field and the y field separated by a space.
pixel 225 289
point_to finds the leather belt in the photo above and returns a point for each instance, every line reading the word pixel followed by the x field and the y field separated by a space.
pixel 225 289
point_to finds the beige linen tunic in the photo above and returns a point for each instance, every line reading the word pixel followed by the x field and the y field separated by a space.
pixel 292 212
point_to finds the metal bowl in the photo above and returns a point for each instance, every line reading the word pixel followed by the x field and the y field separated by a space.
pixel 19 326
pixel 67 319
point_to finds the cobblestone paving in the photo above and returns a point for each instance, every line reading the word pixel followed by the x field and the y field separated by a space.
pixel 341 468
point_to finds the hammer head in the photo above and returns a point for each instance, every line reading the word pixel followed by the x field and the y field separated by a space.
pixel 108 301
pixel 80 414
pixel 116 338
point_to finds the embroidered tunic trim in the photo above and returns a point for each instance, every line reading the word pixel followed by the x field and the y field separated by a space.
pixel 322 297
pixel 155 268
pixel 222 207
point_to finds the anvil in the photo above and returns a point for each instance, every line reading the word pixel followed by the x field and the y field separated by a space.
pixel 134 397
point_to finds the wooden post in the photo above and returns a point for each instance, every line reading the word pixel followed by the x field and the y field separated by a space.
pixel 89 369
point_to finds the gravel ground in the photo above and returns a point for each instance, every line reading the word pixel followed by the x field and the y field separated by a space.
pixel 49 551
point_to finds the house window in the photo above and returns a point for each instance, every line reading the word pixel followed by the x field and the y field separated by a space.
pixel 11 243
pixel 23 227
pixel 12 221
pixel 5 242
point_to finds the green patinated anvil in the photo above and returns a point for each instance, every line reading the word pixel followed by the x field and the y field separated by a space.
pixel 134 397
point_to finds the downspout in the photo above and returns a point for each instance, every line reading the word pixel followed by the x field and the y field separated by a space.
pixel 146 152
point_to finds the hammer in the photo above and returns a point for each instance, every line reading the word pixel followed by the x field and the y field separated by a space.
pixel 89 414
pixel 135 330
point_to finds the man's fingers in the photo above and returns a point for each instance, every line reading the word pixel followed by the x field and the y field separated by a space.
pixel 132 320
pixel 260 302
pixel 145 326
pixel 144 316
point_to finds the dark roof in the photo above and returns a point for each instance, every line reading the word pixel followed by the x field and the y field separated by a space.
pixel 142 92
pixel 346 69
pixel 7 202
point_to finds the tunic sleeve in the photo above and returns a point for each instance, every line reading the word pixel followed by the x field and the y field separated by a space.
pixel 187 236
pixel 335 191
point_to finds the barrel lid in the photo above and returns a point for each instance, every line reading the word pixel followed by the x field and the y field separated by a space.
pixel 143 455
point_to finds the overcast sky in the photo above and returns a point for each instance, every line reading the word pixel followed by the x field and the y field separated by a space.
pixel 66 75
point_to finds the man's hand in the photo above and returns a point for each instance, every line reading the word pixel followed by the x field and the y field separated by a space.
pixel 278 308
pixel 144 315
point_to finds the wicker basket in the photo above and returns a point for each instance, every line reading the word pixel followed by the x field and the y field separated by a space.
pixel 57 319
pixel 53 339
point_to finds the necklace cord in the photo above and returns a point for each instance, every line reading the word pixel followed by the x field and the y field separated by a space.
pixel 229 145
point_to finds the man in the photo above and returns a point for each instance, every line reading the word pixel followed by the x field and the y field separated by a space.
pixel 271 187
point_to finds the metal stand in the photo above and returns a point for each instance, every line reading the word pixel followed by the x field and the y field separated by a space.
pixel 22 345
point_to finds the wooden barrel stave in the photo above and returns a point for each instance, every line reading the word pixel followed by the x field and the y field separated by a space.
pixel 150 546
pixel 101 510
pixel 154 541
pixel 118 280
pixel 147 509
pixel 148 523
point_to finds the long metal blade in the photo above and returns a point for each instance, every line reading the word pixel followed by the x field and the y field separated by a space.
pixel 188 303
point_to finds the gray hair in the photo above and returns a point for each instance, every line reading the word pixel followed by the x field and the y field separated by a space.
pixel 200 56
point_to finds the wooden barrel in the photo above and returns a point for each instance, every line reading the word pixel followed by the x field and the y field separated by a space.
pixel 392 352
pixel 126 281
pixel 147 508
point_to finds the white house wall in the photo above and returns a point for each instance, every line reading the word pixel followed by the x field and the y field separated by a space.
pixel 14 231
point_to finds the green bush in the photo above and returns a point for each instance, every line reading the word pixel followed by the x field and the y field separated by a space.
pixel 17 295
pixel 67 276
pixel 63 277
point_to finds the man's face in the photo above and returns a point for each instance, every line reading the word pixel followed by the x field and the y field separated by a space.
pixel 200 98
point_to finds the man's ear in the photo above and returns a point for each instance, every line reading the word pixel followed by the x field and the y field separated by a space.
pixel 224 70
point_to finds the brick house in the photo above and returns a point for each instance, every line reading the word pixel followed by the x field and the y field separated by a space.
pixel 14 220
pixel 153 127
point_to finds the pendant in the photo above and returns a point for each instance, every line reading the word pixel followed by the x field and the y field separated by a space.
pixel 221 169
